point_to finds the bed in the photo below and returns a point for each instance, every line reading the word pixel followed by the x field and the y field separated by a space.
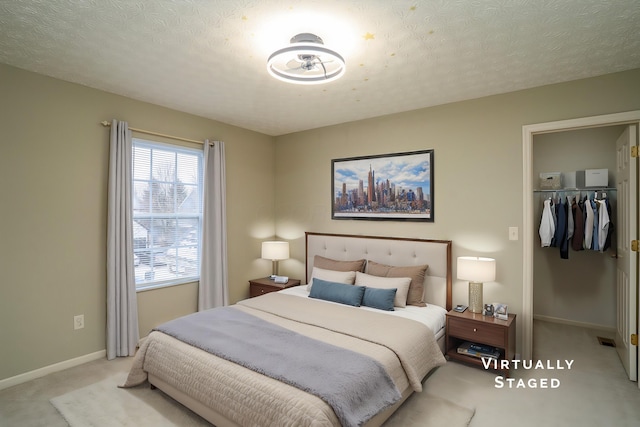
pixel 228 393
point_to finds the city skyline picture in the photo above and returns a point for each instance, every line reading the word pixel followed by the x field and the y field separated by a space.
pixel 395 186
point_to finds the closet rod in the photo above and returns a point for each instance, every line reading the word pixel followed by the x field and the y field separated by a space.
pixel 148 132
pixel 570 190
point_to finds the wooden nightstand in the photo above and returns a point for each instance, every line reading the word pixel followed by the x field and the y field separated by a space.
pixel 265 285
pixel 479 329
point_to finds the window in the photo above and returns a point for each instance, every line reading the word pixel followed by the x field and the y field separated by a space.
pixel 167 213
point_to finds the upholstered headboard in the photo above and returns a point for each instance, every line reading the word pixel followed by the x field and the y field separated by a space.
pixel 395 251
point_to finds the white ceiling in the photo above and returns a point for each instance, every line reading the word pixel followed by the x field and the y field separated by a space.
pixel 208 57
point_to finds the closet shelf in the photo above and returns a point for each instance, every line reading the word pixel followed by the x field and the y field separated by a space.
pixel 559 190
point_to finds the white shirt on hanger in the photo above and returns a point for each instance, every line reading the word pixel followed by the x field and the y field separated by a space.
pixel 547 225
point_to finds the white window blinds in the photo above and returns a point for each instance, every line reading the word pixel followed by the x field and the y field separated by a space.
pixel 167 213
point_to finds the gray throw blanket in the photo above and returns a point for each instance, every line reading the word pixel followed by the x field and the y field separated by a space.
pixel 356 386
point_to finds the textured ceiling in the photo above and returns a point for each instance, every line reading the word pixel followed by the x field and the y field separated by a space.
pixel 208 57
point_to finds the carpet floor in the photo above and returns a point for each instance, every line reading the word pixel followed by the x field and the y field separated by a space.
pixel 594 392
pixel 103 404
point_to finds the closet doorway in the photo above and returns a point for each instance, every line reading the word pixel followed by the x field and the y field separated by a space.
pixel 627 316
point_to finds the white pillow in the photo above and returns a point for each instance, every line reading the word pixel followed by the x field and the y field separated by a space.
pixel 346 277
pixel 400 283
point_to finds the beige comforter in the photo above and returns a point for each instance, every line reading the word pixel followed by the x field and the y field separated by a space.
pixel 407 349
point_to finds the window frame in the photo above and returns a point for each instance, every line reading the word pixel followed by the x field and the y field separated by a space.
pixel 176 149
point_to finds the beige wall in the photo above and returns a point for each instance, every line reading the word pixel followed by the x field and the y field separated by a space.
pixel 478 171
pixel 53 175
pixel 582 288
pixel 53 170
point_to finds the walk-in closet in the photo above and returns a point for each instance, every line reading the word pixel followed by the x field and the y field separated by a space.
pixel 579 286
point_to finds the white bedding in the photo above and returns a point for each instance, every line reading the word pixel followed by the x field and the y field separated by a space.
pixel 433 316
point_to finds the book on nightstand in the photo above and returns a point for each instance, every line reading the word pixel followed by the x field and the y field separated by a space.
pixel 478 350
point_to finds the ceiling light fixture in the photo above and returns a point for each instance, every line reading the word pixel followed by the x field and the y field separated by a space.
pixel 306 61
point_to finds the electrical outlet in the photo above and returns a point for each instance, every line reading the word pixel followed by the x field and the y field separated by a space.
pixel 513 233
pixel 78 321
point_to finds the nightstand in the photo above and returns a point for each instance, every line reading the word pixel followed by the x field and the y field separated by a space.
pixel 265 285
pixel 479 329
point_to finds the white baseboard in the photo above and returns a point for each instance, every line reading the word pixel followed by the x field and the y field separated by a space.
pixel 61 366
pixel 574 323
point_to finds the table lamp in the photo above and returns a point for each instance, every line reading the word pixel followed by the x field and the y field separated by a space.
pixel 476 270
pixel 275 251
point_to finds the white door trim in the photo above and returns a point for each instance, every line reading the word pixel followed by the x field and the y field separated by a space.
pixel 528 131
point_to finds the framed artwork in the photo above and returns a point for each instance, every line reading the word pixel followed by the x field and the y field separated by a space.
pixel 395 187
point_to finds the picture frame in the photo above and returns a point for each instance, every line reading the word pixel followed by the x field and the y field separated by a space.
pixel 500 311
pixel 488 310
pixel 402 187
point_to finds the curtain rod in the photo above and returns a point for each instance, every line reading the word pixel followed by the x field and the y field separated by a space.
pixel 148 132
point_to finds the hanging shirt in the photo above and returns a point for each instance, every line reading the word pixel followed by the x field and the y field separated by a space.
pixel 603 224
pixel 570 225
pixel 561 230
pixel 547 225
pixel 611 230
pixel 588 224
pixel 555 221
pixel 561 225
pixel 596 226
pixel 578 219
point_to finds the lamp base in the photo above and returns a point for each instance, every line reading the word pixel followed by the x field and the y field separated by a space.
pixel 475 297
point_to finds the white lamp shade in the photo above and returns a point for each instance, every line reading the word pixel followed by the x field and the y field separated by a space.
pixel 475 269
pixel 275 250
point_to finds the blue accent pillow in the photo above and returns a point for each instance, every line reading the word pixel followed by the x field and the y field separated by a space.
pixel 379 298
pixel 337 292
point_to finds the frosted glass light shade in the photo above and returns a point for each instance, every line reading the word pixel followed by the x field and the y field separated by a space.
pixel 275 250
pixel 476 269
